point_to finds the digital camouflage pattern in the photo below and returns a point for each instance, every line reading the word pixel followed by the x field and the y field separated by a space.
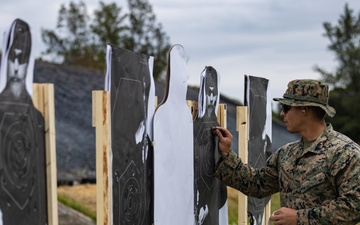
pixel 307 92
pixel 322 181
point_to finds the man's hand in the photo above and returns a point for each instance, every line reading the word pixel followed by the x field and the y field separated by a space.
pixel 225 139
pixel 284 216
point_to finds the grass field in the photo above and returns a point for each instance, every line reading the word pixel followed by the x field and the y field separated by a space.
pixel 83 199
pixel 233 205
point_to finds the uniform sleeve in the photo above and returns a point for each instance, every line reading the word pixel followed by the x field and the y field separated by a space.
pixel 257 183
pixel 346 207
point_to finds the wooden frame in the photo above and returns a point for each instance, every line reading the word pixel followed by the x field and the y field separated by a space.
pixel 242 126
pixel 101 122
pixel 43 100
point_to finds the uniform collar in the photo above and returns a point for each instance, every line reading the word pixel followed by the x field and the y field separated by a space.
pixel 316 146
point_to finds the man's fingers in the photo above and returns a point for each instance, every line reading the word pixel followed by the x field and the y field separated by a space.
pixel 222 132
pixel 218 132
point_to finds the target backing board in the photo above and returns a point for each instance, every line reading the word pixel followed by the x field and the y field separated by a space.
pixel 129 81
pixel 259 145
pixel 173 148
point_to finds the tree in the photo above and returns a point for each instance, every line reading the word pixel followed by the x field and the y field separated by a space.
pixel 107 27
pixel 146 36
pixel 345 81
pixel 78 43
pixel 72 38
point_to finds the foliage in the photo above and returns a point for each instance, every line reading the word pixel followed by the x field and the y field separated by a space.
pixel 233 205
pixel 73 47
pixel 344 40
pixel 146 36
pixel 276 114
pixel 107 28
pixel 77 40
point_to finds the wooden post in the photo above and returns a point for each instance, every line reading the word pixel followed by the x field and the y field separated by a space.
pixel 267 211
pixel 242 128
pixel 221 116
pixel 43 100
pixel 193 106
pixel 101 122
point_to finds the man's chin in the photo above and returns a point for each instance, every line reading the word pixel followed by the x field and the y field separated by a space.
pixel 291 131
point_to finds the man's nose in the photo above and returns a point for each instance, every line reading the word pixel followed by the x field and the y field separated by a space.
pixel 282 114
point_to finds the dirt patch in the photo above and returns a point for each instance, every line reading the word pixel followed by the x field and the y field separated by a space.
pixel 84 194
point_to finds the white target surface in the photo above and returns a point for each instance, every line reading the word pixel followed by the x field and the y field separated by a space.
pixel 173 149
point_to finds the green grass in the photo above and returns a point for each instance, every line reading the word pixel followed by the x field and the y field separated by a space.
pixel 76 206
pixel 275 202
pixel 233 208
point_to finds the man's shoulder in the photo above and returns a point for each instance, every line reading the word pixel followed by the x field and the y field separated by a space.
pixel 343 150
pixel 341 140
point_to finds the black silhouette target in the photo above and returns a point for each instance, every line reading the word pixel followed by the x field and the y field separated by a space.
pixel 23 194
pixel 259 144
pixel 210 194
pixel 22 162
pixel 131 202
pixel 131 205
pixel 131 156
pixel 19 157
pixel 206 156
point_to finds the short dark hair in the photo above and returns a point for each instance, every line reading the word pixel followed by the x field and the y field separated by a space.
pixel 318 112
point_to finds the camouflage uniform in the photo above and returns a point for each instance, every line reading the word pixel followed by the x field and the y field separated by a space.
pixel 322 181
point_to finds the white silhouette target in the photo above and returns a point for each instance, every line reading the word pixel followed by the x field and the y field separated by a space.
pixel 173 149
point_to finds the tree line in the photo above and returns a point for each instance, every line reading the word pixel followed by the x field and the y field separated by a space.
pixel 79 40
pixel 344 38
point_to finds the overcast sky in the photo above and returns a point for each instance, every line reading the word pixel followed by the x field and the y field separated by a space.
pixel 280 40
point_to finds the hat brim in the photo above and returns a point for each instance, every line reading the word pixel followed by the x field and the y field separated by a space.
pixel 330 111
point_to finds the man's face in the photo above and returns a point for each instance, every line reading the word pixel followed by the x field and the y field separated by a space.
pixel 293 119
pixel 19 53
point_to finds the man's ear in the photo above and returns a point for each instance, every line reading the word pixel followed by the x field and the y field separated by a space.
pixel 303 109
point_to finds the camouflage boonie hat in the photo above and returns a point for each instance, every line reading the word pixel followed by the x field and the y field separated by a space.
pixel 307 93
